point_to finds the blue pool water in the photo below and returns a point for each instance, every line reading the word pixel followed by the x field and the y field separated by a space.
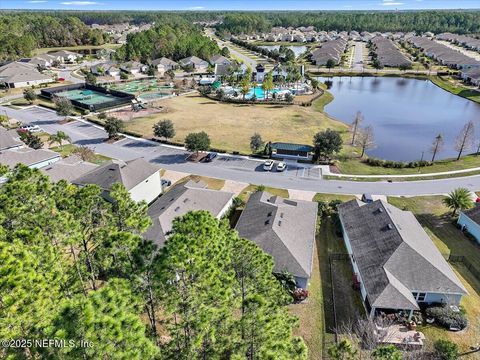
pixel 259 93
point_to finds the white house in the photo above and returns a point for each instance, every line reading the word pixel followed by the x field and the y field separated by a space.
pixel 34 159
pixel 66 56
pixel 219 60
pixel 396 264
pixel 18 74
pixel 164 64
pixel 140 178
pixel 196 63
pixel 133 67
pixel 9 140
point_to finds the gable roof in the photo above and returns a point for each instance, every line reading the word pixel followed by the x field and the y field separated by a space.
pixel 394 254
pixel 283 228
pixel 193 60
pixel 26 156
pixel 219 59
pixel 164 61
pixel 129 174
pixel 291 147
pixel 7 140
pixel 179 200
pixel 68 168
pixel 473 214
pixel 21 72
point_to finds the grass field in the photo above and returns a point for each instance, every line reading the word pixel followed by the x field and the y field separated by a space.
pixel 245 194
pixel 230 126
pixel 436 220
pixel 69 149
pixel 455 87
pixel 354 166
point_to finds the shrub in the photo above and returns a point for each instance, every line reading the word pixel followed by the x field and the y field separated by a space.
pixel 447 318
pixel 446 350
pixel 300 294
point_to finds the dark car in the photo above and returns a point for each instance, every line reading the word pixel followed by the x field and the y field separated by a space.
pixel 210 156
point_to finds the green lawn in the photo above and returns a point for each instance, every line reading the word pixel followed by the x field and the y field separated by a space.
pixel 456 88
pixel 436 220
pixel 69 149
pixel 355 166
pixel 213 184
pixel 245 194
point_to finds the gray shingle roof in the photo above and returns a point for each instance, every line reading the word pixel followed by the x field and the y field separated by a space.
pixel 68 169
pixel 130 174
pixel 394 254
pixel 26 156
pixel 473 214
pixel 179 200
pixel 21 72
pixel 7 140
pixel 283 228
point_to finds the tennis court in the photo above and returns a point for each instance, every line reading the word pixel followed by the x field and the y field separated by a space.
pixel 145 88
pixel 85 96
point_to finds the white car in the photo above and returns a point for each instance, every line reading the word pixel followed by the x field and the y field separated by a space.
pixel 268 165
pixel 31 128
pixel 281 166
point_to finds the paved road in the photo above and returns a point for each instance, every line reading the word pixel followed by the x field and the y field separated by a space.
pixel 358 56
pixel 247 60
pixel 298 177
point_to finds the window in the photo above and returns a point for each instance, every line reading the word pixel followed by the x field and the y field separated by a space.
pixel 421 297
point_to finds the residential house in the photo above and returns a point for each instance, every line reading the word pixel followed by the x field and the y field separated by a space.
pixel 9 140
pixel 34 159
pixel 163 65
pixel 395 263
pixel 472 76
pixel 179 200
pixel 219 60
pixel 69 169
pixel 259 73
pixel 66 56
pixel 140 178
pixel 291 151
pixel 197 64
pixel 44 61
pixel 282 71
pixel 133 67
pixel 469 221
pixel 283 228
pixel 18 74
pixel 108 68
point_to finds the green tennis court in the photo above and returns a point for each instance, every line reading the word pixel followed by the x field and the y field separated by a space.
pixel 139 87
pixel 89 97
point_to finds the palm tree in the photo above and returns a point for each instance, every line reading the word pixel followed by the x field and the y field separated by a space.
pixel 58 138
pixel 458 199
pixel 267 85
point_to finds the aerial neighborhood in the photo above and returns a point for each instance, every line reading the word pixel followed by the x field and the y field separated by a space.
pixel 247 184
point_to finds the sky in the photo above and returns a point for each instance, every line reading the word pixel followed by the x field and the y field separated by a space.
pixel 240 4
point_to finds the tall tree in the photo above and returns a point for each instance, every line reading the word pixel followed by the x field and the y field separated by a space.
pixel 113 126
pixel 29 95
pixel 196 142
pixel 246 83
pixel 437 146
pixel 256 142
pixel 197 286
pixel 164 128
pixel 108 319
pixel 267 85
pixel 59 137
pixel 464 140
pixel 458 199
pixel 326 143
pixel 63 105
pixel 357 122
pixel 365 139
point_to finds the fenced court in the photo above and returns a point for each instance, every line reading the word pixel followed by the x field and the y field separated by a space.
pixel 90 97
pixel 146 89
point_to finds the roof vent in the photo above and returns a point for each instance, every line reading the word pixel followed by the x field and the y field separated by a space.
pixel 389 226
pixel 281 215
pixel 269 214
pixel 267 221
pixel 177 208
pixel 280 223
pixel 378 211
pixel 186 200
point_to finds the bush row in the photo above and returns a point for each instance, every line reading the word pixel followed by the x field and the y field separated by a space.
pixel 397 164
pixel 446 317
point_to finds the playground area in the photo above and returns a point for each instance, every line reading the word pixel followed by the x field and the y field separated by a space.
pixel 145 89
pixel 88 97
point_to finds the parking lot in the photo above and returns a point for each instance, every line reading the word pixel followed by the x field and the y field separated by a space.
pixel 293 169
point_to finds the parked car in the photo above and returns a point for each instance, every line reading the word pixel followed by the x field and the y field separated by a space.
pixel 281 166
pixel 210 156
pixel 268 165
pixel 31 128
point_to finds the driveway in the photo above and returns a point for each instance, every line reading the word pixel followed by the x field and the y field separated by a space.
pixel 241 169
pixel 358 56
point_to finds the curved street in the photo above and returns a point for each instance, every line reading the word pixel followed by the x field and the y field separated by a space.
pixel 227 167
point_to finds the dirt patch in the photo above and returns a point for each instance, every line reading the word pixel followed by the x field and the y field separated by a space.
pixel 129 114
pixel 301 195
pixel 334 169
pixel 197 157
pixel 234 186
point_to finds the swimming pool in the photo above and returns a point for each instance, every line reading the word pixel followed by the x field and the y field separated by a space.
pixel 258 92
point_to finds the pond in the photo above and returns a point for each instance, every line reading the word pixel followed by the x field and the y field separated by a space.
pixel 297 49
pixel 406 114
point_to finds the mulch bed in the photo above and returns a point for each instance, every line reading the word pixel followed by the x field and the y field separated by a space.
pixel 197 157
pixel 334 169
pixel 115 139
